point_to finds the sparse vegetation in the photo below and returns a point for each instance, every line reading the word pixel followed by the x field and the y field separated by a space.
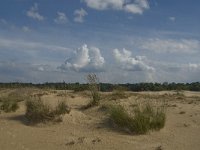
pixel 9 106
pixel 93 82
pixel 9 102
pixel 62 108
pixel 141 120
pixel 120 116
pixel 16 95
pixel 118 93
pixel 39 112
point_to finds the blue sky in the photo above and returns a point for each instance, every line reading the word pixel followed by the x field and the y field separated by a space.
pixel 120 40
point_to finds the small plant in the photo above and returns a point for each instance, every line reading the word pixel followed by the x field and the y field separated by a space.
pixel 39 112
pixel 93 82
pixel 141 120
pixel 149 118
pixel 9 106
pixel 62 108
pixel 182 112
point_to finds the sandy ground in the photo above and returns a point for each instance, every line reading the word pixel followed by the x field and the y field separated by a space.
pixel 89 130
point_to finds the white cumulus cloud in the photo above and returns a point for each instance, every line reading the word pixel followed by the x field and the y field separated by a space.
pixel 129 63
pixel 84 59
pixel 61 18
pixel 79 15
pixel 131 6
pixel 171 46
pixel 33 12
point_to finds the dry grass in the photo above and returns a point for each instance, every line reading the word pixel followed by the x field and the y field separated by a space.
pixel 93 82
pixel 141 120
pixel 9 106
pixel 39 112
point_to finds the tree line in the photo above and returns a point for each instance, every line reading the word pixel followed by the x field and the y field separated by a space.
pixel 107 87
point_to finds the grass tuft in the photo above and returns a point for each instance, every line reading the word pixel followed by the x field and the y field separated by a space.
pixel 62 108
pixel 120 116
pixel 141 120
pixel 39 112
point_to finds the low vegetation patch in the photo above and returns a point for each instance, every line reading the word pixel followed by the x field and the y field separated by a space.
pixel 9 106
pixel 20 94
pixel 62 108
pixel 141 120
pixel 39 112
pixel 119 93
pixel 93 85
pixel 94 101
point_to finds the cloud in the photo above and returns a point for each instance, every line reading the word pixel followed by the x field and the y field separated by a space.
pixel 129 63
pixel 190 67
pixel 85 59
pixel 26 29
pixel 42 67
pixel 175 72
pixel 79 15
pixel 131 6
pixel 172 18
pixel 61 18
pixel 33 13
pixel 193 66
pixel 171 46
pixel 11 71
pixel 19 44
pixel 3 21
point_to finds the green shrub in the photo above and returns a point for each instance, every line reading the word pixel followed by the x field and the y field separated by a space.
pixel 141 120
pixel 37 111
pixel 9 106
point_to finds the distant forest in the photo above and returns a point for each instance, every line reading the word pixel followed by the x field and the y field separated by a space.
pixel 107 87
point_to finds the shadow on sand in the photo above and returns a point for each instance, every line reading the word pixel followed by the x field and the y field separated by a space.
pixel 19 118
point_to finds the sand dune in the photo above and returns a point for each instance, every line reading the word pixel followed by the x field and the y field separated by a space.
pixel 88 129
